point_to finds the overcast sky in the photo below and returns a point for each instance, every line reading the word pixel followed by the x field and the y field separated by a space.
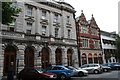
pixel 105 12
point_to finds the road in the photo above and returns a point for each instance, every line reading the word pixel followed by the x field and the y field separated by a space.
pixel 113 75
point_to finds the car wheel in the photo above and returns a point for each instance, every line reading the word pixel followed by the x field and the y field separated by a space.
pixel 63 77
pixel 20 79
pixel 105 70
pixel 80 74
pixel 96 71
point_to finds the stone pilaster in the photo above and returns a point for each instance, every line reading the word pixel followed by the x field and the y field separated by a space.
pixel 37 22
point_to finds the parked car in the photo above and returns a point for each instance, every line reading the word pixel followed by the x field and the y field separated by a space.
pixel 106 68
pixel 35 74
pixel 92 68
pixel 113 65
pixel 79 71
pixel 62 72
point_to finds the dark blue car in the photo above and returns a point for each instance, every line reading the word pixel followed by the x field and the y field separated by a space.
pixel 63 72
pixel 113 65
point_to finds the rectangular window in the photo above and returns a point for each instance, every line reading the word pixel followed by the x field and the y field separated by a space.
pixel 85 43
pixel 29 28
pixel 43 14
pixel 69 34
pixel 84 29
pixel 94 32
pixel 44 30
pixel 56 18
pixel 96 45
pixel 29 11
pixel 56 32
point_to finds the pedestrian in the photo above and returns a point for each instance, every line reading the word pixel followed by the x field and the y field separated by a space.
pixel 10 75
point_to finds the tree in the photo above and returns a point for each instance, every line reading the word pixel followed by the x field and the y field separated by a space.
pixel 8 13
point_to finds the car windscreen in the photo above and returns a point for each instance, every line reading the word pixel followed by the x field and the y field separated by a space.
pixel 69 67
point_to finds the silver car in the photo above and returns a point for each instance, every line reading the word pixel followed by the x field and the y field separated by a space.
pixel 79 71
pixel 92 68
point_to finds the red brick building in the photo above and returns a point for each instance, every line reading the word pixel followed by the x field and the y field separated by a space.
pixel 88 39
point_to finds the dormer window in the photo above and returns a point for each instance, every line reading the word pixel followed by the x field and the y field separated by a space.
pixel 44 30
pixel 56 32
pixel 56 18
pixel 44 14
pixel 69 34
pixel 29 11
pixel 29 28
pixel 68 19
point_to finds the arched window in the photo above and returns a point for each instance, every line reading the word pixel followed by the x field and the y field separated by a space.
pixel 90 58
pixel 95 58
pixel 84 59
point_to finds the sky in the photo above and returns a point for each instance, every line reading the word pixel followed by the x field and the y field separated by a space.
pixel 105 12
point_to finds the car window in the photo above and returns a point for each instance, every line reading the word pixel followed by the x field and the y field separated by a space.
pixel 32 71
pixel 49 68
pixel 91 65
pixel 70 67
pixel 84 66
pixel 56 68
pixel 95 65
pixel 105 64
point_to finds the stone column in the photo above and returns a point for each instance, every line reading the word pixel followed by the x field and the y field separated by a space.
pixel 52 56
pixel 37 59
pixel 21 54
pixel 76 63
pixel 64 56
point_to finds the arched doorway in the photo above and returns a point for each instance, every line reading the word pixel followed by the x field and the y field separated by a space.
pixel 95 58
pixel 29 57
pixel 90 58
pixel 45 57
pixel 9 59
pixel 69 57
pixel 58 56
pixel 84 59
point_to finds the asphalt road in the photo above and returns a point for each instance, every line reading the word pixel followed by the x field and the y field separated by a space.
pixel 113 75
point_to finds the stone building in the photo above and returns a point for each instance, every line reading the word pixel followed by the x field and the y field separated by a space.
pixel 88 39
pixel 109 46
pixel 43 33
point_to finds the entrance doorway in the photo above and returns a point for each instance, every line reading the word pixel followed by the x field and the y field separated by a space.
pixel 29 57
pixel 9 59
pixel 58 56
pixel 45 58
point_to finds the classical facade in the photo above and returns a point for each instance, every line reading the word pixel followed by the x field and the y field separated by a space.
pixel 44 33
pixel 88 39
pixel 109 46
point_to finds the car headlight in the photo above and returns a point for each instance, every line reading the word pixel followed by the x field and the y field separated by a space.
pixel 53 76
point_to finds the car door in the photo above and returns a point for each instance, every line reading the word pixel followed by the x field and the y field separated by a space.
pixel 55 69
pixel 32 74
pixel 85 66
